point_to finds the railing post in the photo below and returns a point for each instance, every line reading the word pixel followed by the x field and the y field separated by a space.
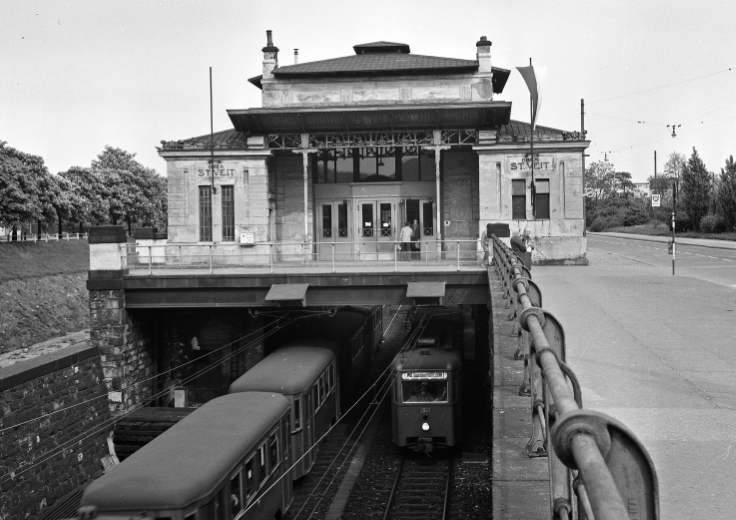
pixel 458 255
pixel 270 256
pixel 333 257
pixel 396 254
pixel 150 260
pixel 210 255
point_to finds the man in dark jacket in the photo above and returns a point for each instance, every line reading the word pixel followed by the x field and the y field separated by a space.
pixel 517 244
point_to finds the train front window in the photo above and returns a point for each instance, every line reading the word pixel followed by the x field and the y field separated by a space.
pixel 297 414
pixel 422 387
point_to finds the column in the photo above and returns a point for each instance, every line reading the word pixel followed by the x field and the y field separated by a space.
pixel 305 151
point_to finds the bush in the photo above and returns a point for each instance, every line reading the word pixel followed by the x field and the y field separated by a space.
pixel 712 224
pixel 636 215
pixel 682 223
pixel 599 224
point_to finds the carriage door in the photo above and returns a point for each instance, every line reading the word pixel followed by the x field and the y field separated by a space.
pixel 377 229
pixel 333 228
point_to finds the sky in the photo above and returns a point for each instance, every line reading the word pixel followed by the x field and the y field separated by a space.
pixel 76 76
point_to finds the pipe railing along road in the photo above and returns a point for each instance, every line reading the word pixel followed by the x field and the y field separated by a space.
pixel 591 456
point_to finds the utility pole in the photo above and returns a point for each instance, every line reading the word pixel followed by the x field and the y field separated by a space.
pixel 582 131
pixel 674 205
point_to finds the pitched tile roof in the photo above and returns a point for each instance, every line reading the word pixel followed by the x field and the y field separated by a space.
pixel 372 63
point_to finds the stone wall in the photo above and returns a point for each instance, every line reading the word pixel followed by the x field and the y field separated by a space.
pixel 49 446
pixel 123 341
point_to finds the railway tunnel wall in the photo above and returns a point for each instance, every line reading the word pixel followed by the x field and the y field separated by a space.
pixel 54 421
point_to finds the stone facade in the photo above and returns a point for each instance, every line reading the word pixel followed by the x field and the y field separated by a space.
pixel 54 421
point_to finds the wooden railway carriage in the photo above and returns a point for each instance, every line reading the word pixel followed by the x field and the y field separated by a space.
pixel 306 374
pixel 426 399
pixel 216 462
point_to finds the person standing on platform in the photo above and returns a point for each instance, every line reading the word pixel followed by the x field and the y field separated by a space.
pixel 517 244
pixel 415 255
pixel 405 239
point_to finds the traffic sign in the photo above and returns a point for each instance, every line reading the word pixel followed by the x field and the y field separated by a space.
pixel 656 198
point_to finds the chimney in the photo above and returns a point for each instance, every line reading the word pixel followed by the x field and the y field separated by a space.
pixel 483 53
pixel 296 56
pixel 270 57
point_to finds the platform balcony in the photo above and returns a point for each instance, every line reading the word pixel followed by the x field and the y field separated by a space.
pixel 160 258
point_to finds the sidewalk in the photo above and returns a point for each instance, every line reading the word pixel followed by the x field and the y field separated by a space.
pixel 702 242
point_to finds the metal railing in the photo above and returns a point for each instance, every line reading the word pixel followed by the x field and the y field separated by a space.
pixel 591 456
pixel 448 254
pixel 43 237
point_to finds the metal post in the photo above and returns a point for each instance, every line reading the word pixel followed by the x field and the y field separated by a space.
pixel 333 257
pixel 396 254
pixel 674 207
pixel 582 131
pixel 458 255
pixel 150 260
pixel 270 256
pixel 210 255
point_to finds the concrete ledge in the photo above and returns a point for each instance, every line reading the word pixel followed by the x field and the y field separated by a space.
pixel 520 485
pixel 40 366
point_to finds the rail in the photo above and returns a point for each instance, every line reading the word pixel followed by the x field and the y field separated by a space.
pixel 43 237
pixel 591 456
pixel 448 254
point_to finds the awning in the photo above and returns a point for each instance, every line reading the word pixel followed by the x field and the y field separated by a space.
pixel 263 121
pixel 288 294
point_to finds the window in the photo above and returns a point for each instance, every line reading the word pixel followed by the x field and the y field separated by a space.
pixel 236 498
pixel 273 446
pixel 297 413
pixel 326 220
pixel 228 214
pixel 518 199
pixel 427 219
pixel 329 378
pixel 250 479
pixel 205 214
pixel 262 463
pixel 424 391
pixel 372 164
pixel 342 219
pixel 541 198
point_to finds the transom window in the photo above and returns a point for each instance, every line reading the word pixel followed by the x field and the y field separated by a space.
pixel 373 164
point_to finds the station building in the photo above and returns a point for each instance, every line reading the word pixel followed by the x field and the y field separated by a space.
pixel 344 151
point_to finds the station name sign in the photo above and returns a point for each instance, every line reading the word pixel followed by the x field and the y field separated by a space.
pixel 538 165
pixel 217 172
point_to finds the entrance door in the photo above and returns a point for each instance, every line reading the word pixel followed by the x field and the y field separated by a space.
pixel 333 228
pixel 377 229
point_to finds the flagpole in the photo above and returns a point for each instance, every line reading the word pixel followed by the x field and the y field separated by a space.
pixel 531 118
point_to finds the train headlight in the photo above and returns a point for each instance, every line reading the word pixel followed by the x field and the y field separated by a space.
pixel 425 426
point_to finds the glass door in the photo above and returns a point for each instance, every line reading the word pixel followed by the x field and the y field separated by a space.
pixel 377 228
pixel 333 228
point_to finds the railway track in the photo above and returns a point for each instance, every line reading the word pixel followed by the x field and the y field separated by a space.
pixel 421 488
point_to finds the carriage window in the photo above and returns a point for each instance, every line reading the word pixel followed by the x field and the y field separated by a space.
pixel 424 391
pixel 274 448
pixel 191 516
pixel 297 413
pixel 314 397
pixel 218 504
pixel 236 498
pixel 329 378
pixel 262 463
pixel 250 480
pixel 322 390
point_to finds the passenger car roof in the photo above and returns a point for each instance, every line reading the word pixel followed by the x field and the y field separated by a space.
pixel 288 370
pixel 434 359
pixel 189 460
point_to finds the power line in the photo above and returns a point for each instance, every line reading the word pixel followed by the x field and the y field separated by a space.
pixel 661 87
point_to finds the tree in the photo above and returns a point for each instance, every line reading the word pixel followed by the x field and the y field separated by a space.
pixel 726 196
pixel 695 188
pixel 675 165
pixel 90 196
pixel 599 181
pixel 19 186
pixel 137 194
pixel 622 184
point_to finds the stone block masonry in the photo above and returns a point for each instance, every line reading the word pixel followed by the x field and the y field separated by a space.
pixel 54 421
pixel 125 352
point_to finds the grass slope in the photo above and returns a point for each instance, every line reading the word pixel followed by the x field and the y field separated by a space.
pixel 19 261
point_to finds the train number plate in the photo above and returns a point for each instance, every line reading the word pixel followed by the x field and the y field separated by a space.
pixel 424 410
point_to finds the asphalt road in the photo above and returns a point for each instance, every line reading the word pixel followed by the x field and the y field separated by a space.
pixel 658 353
pixel 706 263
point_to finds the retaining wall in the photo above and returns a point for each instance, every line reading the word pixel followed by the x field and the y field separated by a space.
pixel 61 446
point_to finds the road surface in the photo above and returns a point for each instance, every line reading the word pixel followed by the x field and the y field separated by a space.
pixel 658 352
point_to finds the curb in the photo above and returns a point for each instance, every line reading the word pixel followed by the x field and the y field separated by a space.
pixel 662 240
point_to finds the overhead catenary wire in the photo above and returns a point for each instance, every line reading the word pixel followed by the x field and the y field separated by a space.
pixel 99 428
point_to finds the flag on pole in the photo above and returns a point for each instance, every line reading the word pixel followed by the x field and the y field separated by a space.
pixel 534 78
